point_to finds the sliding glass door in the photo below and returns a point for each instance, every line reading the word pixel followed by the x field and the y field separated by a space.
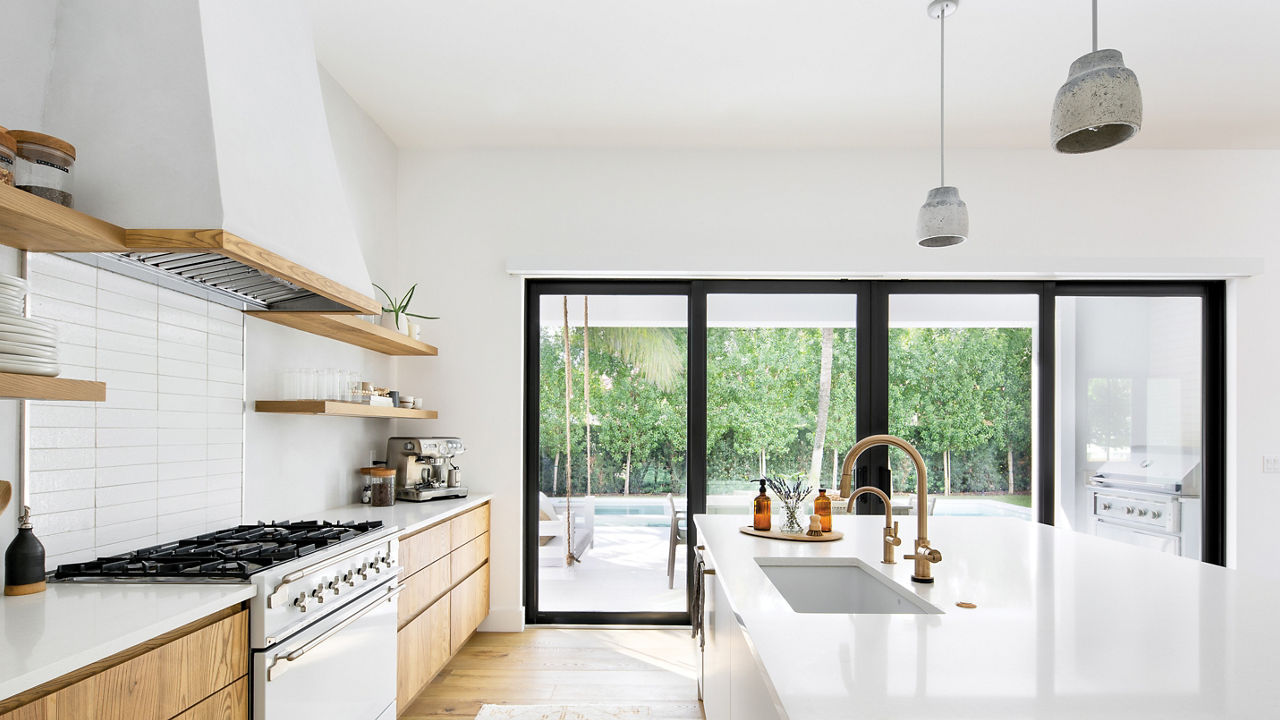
pixel 649 402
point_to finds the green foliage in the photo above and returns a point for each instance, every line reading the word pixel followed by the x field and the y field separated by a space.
pixel 963 390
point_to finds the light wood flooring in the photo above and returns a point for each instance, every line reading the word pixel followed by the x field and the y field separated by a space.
pixel 561 666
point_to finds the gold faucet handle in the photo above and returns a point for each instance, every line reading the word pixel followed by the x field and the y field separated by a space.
pixel 891 535
pixel 924 552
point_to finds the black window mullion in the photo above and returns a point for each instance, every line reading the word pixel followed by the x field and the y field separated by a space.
pixel 1046 432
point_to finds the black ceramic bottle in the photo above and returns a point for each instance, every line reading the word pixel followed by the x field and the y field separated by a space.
pixel 24 560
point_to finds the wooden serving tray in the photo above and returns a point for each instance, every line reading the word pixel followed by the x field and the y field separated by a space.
pixel 801 537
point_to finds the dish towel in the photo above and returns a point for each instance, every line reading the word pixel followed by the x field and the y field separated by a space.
pixel 563 712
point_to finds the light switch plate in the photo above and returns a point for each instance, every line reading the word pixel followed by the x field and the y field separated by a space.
pixel 1271 463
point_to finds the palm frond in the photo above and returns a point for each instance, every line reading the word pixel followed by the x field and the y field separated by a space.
pixel 653 351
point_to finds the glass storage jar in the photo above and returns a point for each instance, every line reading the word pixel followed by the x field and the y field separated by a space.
pixel 383 483
pixel 8 151
pixel 44 166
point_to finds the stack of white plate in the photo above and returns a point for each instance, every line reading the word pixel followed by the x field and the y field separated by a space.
pixel 27 346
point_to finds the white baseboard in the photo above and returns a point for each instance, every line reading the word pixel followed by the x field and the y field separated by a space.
pixel 504 620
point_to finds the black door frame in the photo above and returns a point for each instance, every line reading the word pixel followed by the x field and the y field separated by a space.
pixel 873 387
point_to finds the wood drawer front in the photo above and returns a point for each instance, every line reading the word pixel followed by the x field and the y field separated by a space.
pixel 424 547
pixel 469 557
pixel 229 703
pixel 422 649
pixel 469 525
pixel 158 684
pixel 424 588
pixel 468 606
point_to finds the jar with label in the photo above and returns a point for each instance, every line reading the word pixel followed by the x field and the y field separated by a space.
pixel 44 166
pixel 8 151
pixel 383 482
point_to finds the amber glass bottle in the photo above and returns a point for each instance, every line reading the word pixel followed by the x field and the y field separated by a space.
pixel 762 510
pixel 822 508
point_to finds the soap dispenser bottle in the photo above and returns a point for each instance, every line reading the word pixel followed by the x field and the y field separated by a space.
pixel 24 560
pixel 822 508
pixel 762 510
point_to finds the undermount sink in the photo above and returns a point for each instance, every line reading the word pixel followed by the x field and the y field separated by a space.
pixel 840 585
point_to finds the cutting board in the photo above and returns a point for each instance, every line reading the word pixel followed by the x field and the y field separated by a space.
pixel 6 492
pixel 801 537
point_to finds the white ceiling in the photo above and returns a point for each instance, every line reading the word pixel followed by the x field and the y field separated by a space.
pixel 789 73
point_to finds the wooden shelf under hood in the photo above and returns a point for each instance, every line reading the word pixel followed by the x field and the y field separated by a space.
pixel 351 330
pixel 32 223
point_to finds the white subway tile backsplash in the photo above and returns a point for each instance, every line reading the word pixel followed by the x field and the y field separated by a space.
pixel 125 342
pixel 171 299
pixel 62 289
pixel 138 306
pixel 183 318
pixel 125 494
pixel 128 324
pixel 123 380
pixel 60 438
pixel 61 458
pixel 127 437
pixel 60 415
pixel 133 362
pixel 55 480
pixel 60 267
pixel 131 456
pixel 163 456
pixel 125 475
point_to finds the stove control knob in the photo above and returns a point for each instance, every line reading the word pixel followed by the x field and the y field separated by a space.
pixel 335 585
pixel 301 602
pixel 387 561
pixel 376 565
pixel 318 594
pixel 363 572
pixel 349 578
pixel 1128 510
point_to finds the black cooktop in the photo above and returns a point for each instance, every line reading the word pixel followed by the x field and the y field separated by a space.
pixel 232 554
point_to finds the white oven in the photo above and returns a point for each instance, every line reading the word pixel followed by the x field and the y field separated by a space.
pixel 342 667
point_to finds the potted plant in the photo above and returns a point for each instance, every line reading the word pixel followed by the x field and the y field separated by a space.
pixel 396 308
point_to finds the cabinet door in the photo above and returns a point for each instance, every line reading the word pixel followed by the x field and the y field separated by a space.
pixel 750 697
pixel 718 623
pixel 469 525
pixel 424 588
pixel 424 547
pixel 469 605
pixel 422 649
pixel 229 703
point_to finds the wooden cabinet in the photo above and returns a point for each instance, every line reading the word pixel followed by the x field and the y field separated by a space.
pixel 444 599
pixel 168 677
pixel 468 606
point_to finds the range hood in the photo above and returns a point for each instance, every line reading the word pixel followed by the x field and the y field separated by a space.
pixel 202 122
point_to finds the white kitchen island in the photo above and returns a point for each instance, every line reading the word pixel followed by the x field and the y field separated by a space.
pixel 1066 626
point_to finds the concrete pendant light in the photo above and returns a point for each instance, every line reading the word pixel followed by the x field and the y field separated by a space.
pixel 1100 104
pixel 944 218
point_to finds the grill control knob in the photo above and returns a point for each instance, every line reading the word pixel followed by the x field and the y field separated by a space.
pixel 1106 506
pixel 1142 512
pixel 1155 514
pixel 1128 510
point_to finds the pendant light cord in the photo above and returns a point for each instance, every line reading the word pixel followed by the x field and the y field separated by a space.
pixel 1095 25
pixel 942 97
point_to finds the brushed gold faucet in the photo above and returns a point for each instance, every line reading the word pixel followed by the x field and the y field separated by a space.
pixel 891 539
pixel 924 555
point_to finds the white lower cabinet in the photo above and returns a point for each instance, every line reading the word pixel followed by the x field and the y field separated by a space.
pixel 733 686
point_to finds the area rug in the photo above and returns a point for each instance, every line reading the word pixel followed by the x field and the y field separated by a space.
pixel 563 712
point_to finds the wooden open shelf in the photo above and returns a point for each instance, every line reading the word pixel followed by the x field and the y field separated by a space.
pixel 351 330
pixel 35 387
pixel 341 409
pixel 32 223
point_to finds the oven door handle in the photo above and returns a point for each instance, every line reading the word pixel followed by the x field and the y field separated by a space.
pixel 280 662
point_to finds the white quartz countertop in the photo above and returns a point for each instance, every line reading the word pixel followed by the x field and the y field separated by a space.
pixel 408 516
pixel 71 625
pixel 1067 626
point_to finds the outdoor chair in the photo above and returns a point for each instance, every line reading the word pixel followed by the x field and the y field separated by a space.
pixel 551 524
pixel 679 536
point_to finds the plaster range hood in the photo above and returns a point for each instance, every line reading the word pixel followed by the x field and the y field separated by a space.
pixel 202 122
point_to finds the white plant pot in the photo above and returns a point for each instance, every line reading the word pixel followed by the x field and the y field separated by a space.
pixel 389 322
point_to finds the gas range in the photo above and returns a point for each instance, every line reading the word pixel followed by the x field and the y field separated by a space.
pixel 324 611
pixel 227 555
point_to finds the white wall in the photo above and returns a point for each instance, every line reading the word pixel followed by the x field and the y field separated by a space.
pixel 468 212
pixel 299 464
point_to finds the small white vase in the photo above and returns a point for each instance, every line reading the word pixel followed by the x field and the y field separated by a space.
pixel 389 322
pixel 413 330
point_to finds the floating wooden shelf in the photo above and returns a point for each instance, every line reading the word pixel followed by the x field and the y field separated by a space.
pixel 351 330
pixel 32 223
pixel 342 409
pixel 35 387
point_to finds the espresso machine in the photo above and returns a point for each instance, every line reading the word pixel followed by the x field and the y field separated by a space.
pixel 425 469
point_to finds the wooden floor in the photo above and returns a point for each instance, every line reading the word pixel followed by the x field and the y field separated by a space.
pixel 554 666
